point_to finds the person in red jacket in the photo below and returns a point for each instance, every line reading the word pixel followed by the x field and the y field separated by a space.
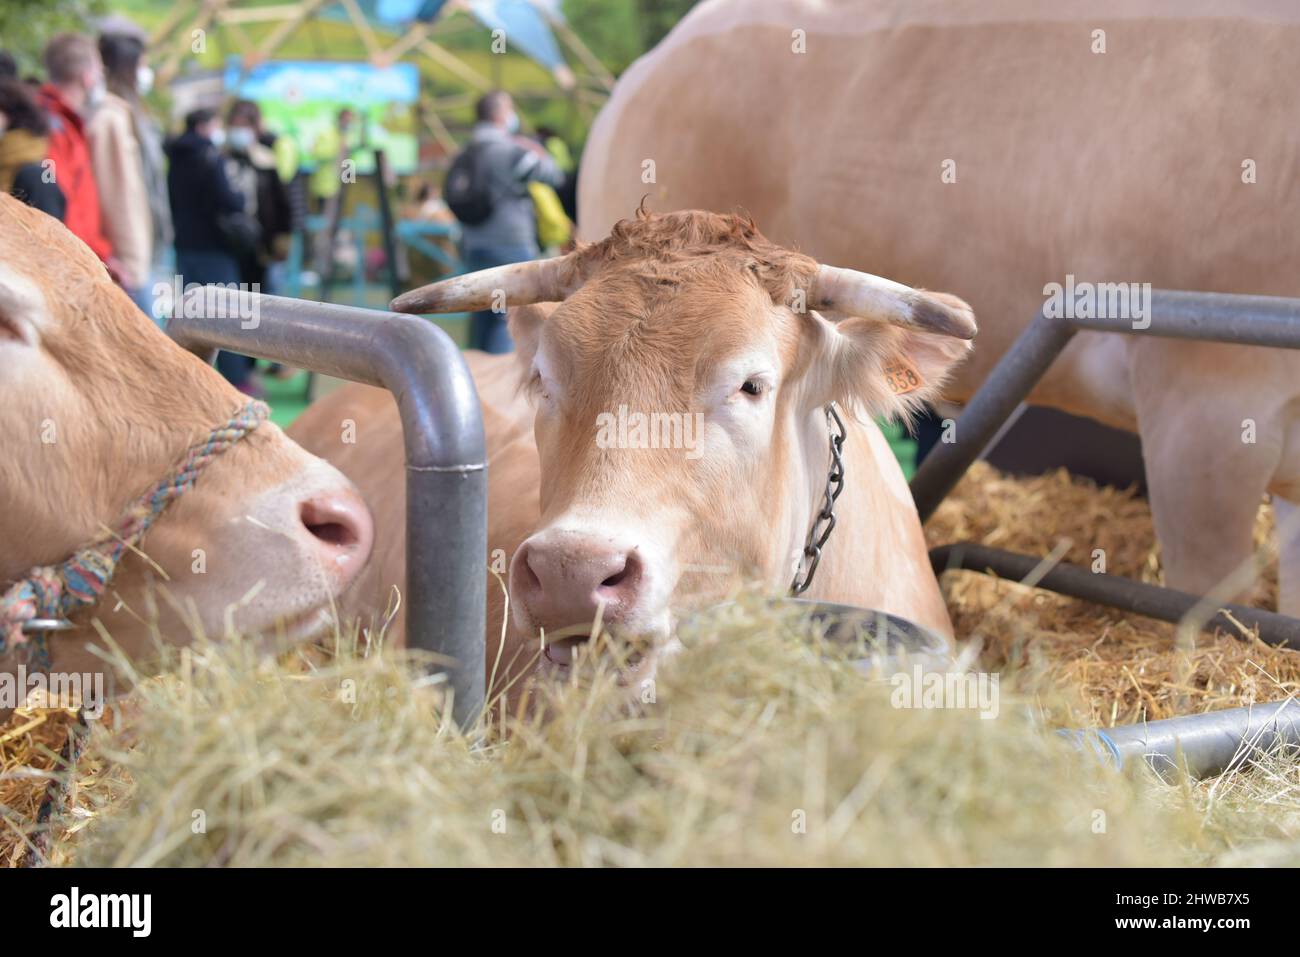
pixel 75 86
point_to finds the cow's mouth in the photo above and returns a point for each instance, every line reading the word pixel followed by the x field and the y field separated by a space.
pixel 561 652
pixel 561 647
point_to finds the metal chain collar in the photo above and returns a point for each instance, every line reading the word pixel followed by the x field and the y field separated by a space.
pixel 824 522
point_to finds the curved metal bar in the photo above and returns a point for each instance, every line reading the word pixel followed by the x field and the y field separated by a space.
pixel 1269 321
pixel 34 626
pixel 1266 321
pixel 442 426
pixel 1210 316
pixel 1203 744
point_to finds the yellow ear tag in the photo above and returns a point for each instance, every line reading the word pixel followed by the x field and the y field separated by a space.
pixel 902 376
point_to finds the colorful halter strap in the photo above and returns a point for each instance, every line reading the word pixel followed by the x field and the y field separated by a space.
pixel 54 592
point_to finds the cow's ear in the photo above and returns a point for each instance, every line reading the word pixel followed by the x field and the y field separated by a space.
pixel 526 328
pixel 891 371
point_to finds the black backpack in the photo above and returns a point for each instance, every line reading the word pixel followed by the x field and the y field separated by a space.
pixel 467 189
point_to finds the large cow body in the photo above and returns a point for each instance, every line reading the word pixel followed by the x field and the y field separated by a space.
pixel 1127 165
pixel 99 407
pixel 683 313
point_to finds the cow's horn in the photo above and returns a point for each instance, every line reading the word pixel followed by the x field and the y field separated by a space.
pixel 862 294
pixel 541 280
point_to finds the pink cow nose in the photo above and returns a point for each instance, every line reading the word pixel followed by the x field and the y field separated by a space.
pixel 341 531
pixel 561 579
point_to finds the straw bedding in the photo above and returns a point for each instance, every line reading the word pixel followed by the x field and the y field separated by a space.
pixel 757 745
pixel 1107 666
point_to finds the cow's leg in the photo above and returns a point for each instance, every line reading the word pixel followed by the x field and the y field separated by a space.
pixel 1287 515
pixel 1211 448
pixel 1204 522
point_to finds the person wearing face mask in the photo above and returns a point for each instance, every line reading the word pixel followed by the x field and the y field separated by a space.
pixel 208 215
pixel 74 88
pixel 23 146
pixel 251 168
pixel 487 188
pixel 126 155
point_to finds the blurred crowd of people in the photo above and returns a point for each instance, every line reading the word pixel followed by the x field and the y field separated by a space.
pixel 220 201
pixel 217 203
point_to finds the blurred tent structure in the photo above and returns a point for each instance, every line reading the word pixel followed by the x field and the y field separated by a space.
pixel 455 42
pixel 409 72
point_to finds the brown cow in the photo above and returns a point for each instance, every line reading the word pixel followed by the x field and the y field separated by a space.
pixel 1001 147
pixel 697 319
pixel 99 406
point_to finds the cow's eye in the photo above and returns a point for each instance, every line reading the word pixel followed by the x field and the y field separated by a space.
pixel 752 387
pixel 11 329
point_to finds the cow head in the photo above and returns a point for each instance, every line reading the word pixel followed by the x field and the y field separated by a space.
pixel 99 406
pixel 680 385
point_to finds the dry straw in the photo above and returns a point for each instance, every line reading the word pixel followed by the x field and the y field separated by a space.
pixel 1107 667
pixel 757 745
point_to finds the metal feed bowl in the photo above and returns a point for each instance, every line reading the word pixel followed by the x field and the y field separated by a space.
pixel 889 643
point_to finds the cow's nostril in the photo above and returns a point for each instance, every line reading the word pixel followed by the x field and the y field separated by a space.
pixel 628 574
pixel 333 533
pixel 530 579
pixel 332 521
pixel 565 580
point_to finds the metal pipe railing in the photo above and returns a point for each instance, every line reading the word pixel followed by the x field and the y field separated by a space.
pixel 1115 591
pixel 1203 744
pixel 442 427
pixel 1269 321
pixel 1215 317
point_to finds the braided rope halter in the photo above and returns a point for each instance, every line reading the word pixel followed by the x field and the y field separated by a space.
pixel 43 600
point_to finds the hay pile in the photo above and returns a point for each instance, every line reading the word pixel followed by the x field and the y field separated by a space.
pixel 756 750
pixel 31 744
pixel 1107 667
pixel 759 746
